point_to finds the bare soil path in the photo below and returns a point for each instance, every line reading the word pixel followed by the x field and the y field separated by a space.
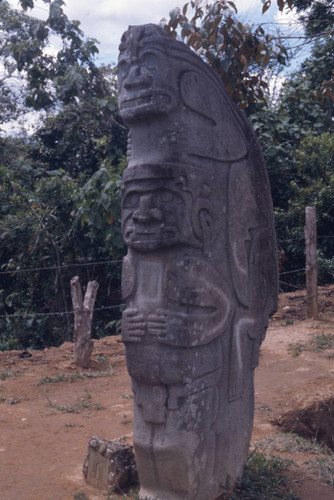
pixel 45 427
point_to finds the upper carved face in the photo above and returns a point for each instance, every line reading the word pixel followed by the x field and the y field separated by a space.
pixel 145 82
pixel 154 213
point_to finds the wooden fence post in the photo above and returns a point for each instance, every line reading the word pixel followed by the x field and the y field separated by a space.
pixel 311 262
pixel 83 315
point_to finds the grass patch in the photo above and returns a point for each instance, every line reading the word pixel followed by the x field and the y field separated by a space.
pixel 263 407
pixel 85 403
pixel 61 377
pixel 322 466
pixel 263 479
pixel 291 443
pixel 8 373
pixel 297 349
pixel 319 343
pixel 80 496
pixel 126 396
pixel 323 342
pixel 132 494
pixel 126 420
pixel 14 401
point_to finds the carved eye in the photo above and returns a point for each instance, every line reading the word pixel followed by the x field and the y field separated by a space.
pixel 149 62
pixel 123 69
pixel 131 200
pixel 167 196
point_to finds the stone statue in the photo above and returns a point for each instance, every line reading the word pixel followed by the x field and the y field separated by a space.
pixel 200 276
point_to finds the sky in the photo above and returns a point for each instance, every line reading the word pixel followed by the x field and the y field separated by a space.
pixel 106 20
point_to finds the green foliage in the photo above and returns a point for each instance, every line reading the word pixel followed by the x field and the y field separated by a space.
pixel 271 129
pixel 77 141
pixel 61 377
pixel 305 108
pixel 307 97
pixel 314 186
pixel 293 443
pixel 263 479
pixel 50 220
pixel 132 494
pixel 60 191
pixel 100 210
pixel 49 78
pixel 319 16
pixel 239 53
pixel 319 343
pixel 48 223
pixel 84 403
pixel 8 373
pixel 80 496
pixel 315 159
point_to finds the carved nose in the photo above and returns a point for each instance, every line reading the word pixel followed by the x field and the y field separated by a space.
pixel 136 80
pixel 147 213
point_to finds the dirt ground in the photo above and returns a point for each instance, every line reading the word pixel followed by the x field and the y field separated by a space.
pixel 45 427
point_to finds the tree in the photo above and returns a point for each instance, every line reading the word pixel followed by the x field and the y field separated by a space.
pixel 317 16
pixel 307 97
pixel 49 231
pixel 306 108
pixel 52 219
pixel 60 195
pixel 314 186
pixel 82 136
pixel 239 53
pixel 49 79
pixel 242 56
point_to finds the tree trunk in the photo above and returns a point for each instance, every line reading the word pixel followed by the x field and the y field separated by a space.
pixel 311 262
pixel 83 315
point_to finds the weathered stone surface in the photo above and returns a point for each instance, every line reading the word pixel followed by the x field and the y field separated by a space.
pixel 109 465
pixel 200 277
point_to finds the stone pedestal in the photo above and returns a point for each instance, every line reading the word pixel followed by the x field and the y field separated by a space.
pixel 109 465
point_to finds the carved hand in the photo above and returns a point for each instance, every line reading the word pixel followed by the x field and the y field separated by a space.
pixel 133 325
pixel 157 323
pixel 169 328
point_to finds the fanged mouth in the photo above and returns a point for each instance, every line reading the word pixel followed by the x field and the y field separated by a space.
pixel 152 100
pixel 137 101
pixel 164 236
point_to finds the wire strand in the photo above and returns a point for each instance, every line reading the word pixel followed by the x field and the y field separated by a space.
pixel 64 313
pixel 50 268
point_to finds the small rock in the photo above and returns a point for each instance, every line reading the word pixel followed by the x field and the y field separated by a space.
pixel 103 448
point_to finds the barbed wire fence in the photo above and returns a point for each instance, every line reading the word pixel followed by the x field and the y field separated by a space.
pixel 26 314
pixel 48 322
pixel 118 262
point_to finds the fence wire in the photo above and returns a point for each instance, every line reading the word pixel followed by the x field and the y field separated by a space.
pixel 63 266
pixel 119 306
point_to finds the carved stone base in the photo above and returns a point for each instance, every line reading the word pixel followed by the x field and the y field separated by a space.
pixel 110 465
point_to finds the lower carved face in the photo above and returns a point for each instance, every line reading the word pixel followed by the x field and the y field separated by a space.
pixel 153 214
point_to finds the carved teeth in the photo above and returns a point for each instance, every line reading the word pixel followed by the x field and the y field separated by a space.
pixel 138 101
pixel 162 100
pixel 143 236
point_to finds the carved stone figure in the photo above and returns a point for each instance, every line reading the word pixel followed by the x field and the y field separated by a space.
pixel 200 276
